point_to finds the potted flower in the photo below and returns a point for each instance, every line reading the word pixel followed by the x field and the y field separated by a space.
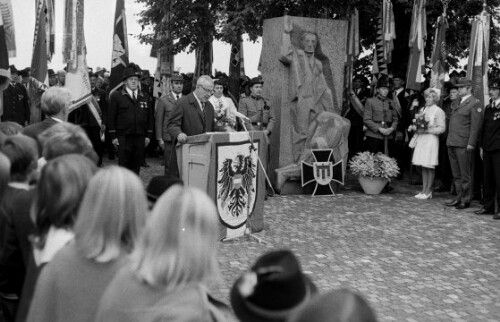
pixel 373 170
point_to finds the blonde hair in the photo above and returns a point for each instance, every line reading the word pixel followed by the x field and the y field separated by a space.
pixel 178 246
pixel 55 100
pixel 111 214
pixel 434 92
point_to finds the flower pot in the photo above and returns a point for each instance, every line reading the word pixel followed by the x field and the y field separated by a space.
pixel 372 186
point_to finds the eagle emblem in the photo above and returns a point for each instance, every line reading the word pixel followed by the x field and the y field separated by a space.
pixel 236 184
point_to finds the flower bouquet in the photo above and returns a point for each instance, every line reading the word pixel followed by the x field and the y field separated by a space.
pixel 224 122
pixel 420 123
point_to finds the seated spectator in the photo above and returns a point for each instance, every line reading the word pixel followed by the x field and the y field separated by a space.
pixel 158 185
pixel 112 213
pixel 55 105
pixel 15 222
pixel 272 290
pixel 66 138
pixel 59 192
pixel 336 306
pixel 174 258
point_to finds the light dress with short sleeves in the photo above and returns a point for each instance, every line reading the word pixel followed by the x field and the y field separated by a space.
pixel 426 151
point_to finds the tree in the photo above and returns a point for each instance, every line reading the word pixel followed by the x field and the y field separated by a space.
pixel 195 21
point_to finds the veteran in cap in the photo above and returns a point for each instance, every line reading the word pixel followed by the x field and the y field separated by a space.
pixel 257 109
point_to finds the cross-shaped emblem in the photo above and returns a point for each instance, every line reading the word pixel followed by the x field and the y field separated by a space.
pixel 323 171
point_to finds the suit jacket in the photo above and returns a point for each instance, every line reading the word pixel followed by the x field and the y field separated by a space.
pixel 465 122
pixel 126 117
pixel 187 117
pixel 16 104
pixel 164 109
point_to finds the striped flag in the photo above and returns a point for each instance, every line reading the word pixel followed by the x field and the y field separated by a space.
pixel 4 64
pixel 119 58
pixel 43 44
pixel 8 26
pixel 477 69
pixel 439 68
pixel 418 35
pixel 77 78
pixel 236 68
pixel 386 33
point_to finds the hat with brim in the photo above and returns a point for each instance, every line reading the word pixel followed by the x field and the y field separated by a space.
pixel 52 73
pixel 464 82
pixel 255 80
pixel 383 82
pixel 494 85
pixel 272 290
pixel 130 72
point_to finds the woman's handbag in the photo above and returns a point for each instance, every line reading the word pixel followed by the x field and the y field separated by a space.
pixel 413 141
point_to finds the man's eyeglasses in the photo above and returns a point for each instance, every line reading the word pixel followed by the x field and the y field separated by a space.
pixel 207 90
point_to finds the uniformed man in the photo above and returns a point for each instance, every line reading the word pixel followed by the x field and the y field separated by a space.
pixel 16 104
pixel 465 123
pixel 381 119
pixel 130 121
pixel 490 152
pixel 257 109
pixel 166 105
pixel 53 81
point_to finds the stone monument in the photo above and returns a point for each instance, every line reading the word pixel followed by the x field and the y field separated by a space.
pixel 302 64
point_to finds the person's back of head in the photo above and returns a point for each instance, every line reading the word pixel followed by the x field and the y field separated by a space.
pixel 59 192
pixel 10 128
pixel 22 152
pixel 65 138
pixel 56 101
pixel 178 246
pixel 158 185
pixel 336 306
pixel 111 215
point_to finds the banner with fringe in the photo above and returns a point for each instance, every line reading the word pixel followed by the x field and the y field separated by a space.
pixel 119 57
pixel 477 69
pixel 418 35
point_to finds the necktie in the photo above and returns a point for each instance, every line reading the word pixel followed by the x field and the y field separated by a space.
pixel 134 96
pixel 177 96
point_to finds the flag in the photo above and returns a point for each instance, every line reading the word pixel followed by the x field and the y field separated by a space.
pixel 352 52
pixel 236 68
pixel 386 33
pixel 8 26
pixel 418 35
pixel 477 69
pixel 438 59
pixel 4 63
pixel 119 58
pixel 43 46
pixel 204 59
pixel 77 78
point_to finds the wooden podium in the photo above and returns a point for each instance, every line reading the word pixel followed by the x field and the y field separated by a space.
pixel 225 166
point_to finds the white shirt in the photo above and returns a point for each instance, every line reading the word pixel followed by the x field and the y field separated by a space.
pixel 177 96
pixel 131 92
pixel 199 102
pixel 398 91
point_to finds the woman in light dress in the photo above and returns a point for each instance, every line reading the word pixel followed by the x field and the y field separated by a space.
pixel 223 104
pixel 427 142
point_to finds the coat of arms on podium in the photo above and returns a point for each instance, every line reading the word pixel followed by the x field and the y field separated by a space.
pixel 236 183
pixel 322 172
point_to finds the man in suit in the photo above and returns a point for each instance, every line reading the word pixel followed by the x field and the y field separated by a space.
pixel 16 104
pixel 55 103
pixel 400 98
pixel 354 113
pixel 193 114
pixel 465 123
pixel 490 152
pixel 35 89
pixel 166 105
pixel 381 119
pixel 130 121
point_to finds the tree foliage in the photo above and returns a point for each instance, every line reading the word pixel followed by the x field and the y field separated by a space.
pixel 194 21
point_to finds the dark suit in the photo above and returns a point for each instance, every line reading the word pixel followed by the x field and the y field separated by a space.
pixel 356 133
pixel 16 104
pixel 490 142
pixel 465 123
pixel 130 122
pixel 187 117
pixel 164 109
pixel 34 130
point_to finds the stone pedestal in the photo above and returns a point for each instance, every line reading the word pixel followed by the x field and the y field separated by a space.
pixel 280 88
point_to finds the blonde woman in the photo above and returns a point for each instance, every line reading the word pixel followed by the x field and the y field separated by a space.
pixel 112 213
pixel 175 256
pixel 427 142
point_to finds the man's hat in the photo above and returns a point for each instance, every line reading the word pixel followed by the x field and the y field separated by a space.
pixel 399 76
pixel 130 72
pixel 255 80
pixel 100 70
pixel 464 82
pixel 52 73
pixel 177 78
pixel 13 69
pixel 272 290
pixel 454 73
pixel 24 72
pixel 495 84
pixel 159 184
pixel 383 82
pixel 145 74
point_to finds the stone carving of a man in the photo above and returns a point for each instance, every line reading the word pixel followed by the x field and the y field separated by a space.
pixel 309 91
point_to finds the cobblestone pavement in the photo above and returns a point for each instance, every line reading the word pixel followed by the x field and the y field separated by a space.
pixel 414 260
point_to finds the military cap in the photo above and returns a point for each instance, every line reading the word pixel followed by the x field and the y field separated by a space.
pixel 255 80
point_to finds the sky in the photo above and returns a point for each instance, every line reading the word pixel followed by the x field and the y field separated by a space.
pixel 99 15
